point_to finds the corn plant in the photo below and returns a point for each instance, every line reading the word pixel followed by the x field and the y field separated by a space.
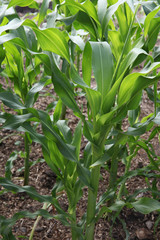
pixel 117 43
pixel 21 69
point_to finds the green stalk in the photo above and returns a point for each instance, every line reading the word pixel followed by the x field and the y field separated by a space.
pixel 155 99
pixel 92 193
pixel 78 61
pixel 63 113
pixel 26 160
pixel 45 206
pixel 74 232
pixel 128 164
pixel 114 168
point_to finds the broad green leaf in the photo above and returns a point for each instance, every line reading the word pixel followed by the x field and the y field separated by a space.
pixel 133 116
pixel 105 118
pixel 94 99
pixel 67 20
pixel 64 89
pixel 41 140
pixel 134 83
pixel 153 32
pixel 102 7
pixel 136 54
pixel 53 40
pixel 84 175
pixel 110 11
pixel 84 22
pixel 146 205
pixel 15 121
pixel 135 102
pixel 87 63
pixel 102 63
pixel 110 97
pixel 65 130
pixel 56 157
pixel 86 7
pixel 76 78
pixel 67 150
pixel 9 165
pixel 21 3
pixel 117 206
pixel 76 141
pixel 43 11
pixel 29 190
pixel 2 55
pixel 13 24
pixel 33 194
pixel 7 224
pixel 148 20
pixel 117 43
pixel 57 111
pixel 11 100
pixel 148 7
pixel 37 87
pixel 78 40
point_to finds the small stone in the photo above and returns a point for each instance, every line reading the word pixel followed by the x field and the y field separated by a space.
pixel 23 230
pixel 149 224
pixel 143 234
pixel 39 229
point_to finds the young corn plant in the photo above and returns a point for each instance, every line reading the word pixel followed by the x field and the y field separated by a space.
pixel 118 43
pixel 21 69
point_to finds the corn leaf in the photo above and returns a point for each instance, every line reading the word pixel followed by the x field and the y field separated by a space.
pixel 21 3
pixel 11 100
pixel 94 99
pixel 102 63
pixel 146 205
pixel 110 11
pixel 43 11
pixel 87 63
pixel 86 7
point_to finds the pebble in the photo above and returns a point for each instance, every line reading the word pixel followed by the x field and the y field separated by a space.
pixel 142 233
pixel 149 224
pixel 23 230
pixel 39 229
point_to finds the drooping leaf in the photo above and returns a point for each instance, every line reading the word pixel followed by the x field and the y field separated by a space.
pixel 134 83
pixel 29 190
pixel 9 165
pixel 78 40
pixel 53 40
pixel 76 78
pixel 83 21
pixel 86 7
pixel 146 205
pixel 64 89
pixel 11 100
pixel 65 130
pixel 21 3
pixel 37 87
